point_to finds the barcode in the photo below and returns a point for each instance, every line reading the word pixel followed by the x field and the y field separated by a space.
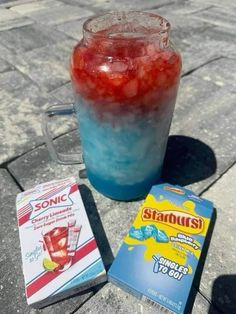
pixel 160 307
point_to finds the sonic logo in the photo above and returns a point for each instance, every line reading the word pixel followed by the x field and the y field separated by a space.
pixel 177 219
pixel 62 199
pixel 53 201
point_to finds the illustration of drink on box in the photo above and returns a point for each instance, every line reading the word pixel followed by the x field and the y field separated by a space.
pixel 59 252
pixel 59 244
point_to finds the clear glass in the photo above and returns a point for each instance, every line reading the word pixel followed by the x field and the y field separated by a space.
pixel 125 74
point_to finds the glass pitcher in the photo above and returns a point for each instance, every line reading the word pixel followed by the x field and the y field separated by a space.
pixel 125 74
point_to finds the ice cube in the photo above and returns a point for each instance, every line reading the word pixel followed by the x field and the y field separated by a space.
pixel 131 88
pixel 148 230
pixel 57 254
pixel 116 78
pixel 136 234
pixel 151 50
pixel 56 232
pixel 62 242
pixel 161 79
pixel 160 236
pixel 118 67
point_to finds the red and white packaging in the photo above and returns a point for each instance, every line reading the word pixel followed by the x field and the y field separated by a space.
pixel 59 252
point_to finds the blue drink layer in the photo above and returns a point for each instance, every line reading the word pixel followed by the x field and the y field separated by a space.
pixel 122 192
pixel 123 154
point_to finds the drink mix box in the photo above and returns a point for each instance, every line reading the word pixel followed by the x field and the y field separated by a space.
pixel 59 252
pixel 159 256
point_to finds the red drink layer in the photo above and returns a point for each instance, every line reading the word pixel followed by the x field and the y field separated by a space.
pixel 120 75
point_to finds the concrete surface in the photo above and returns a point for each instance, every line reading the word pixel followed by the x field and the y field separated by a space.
pixel 36 39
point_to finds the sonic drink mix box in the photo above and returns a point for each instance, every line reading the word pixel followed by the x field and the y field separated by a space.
pixel 158 258
pixel 59 253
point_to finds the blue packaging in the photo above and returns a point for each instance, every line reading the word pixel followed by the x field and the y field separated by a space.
pixel 158 258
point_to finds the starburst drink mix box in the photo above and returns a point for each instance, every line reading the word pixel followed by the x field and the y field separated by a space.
pixel 59 252
pixel 158 258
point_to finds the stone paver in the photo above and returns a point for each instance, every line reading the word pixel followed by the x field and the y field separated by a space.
pixel 48 68
pixel 5 53
pixel 9 20
pixel 218 279
pixel 64 93
pixel 10 260
pixel 112 299
pixel 205 112
pixel 218 3
pixel 4 66
pixel 36 40
pixel 33 6
pixel 224 17
pixel 211 49
pixel 109 5
pixel 30 37
pixel 51 12
pixel 39 159
pixel 10 3
pixel 184 8
pixel 73 29
pixel 24 102
pixel 182 28
pixel 221 72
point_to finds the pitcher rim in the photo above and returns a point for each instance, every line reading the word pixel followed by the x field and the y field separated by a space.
pixel 160 29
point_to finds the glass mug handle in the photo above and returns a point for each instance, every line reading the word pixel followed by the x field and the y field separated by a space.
pixel 58 110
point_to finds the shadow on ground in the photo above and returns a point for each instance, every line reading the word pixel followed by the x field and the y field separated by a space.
pixel 96 225
pixel 187 161
pixel 198 274
pixel 223 293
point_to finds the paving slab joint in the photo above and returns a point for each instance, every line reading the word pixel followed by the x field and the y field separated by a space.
pixel 161 5
pixel 220 176
pixel 201 66
pixel 85 301
pixel 14 179
pixel 201 10
pixel 215 307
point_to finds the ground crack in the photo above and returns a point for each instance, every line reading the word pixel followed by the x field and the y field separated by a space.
pixel 201 66
pixel 211 302
pixel 215 181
